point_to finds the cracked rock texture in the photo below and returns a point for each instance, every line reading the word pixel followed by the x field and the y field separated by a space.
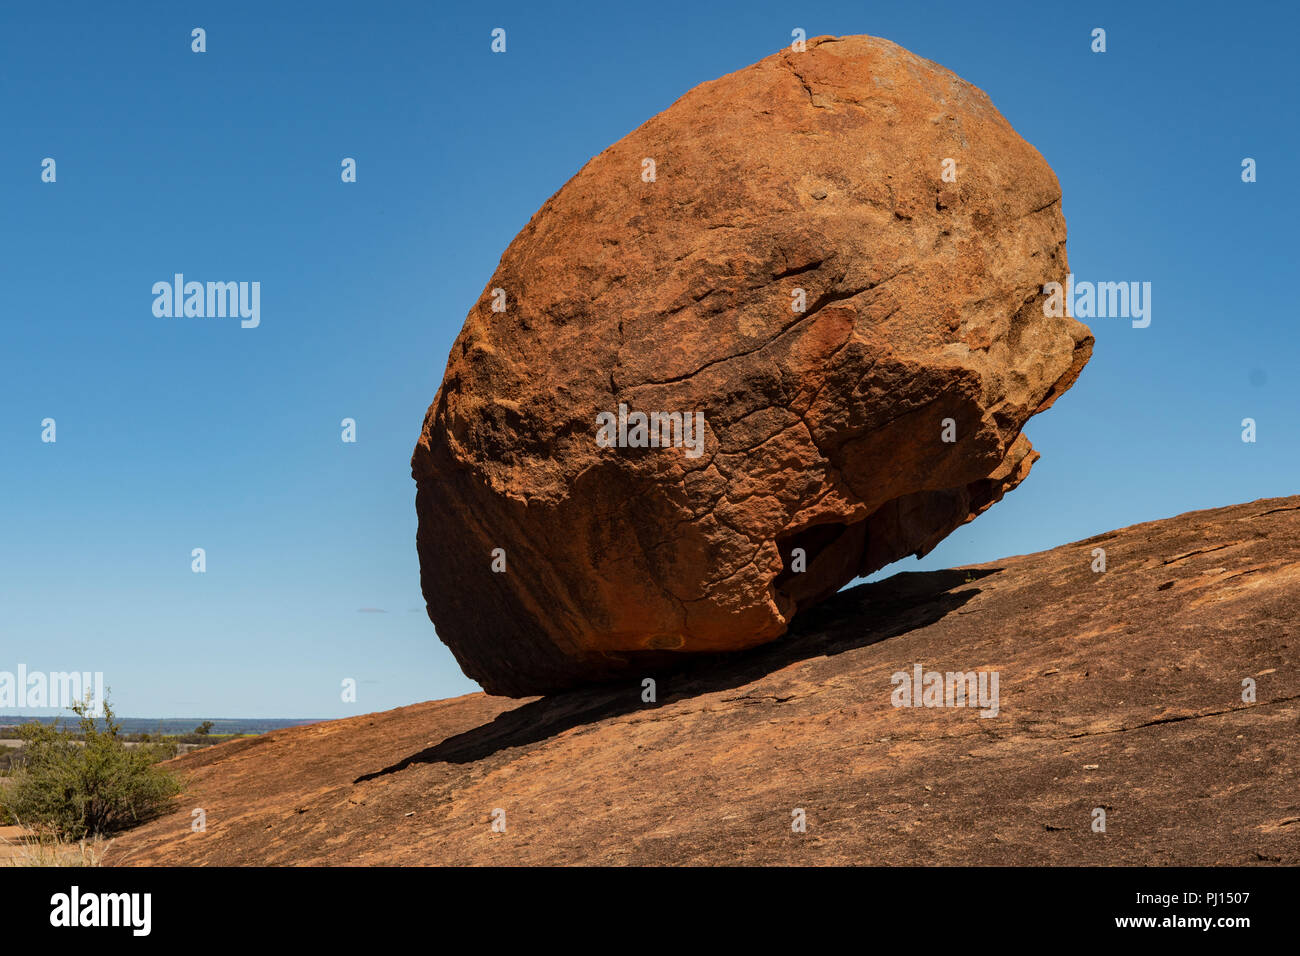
pixel 818 174
pixel 1121 690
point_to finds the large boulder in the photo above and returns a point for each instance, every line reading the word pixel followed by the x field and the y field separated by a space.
pixel 877 190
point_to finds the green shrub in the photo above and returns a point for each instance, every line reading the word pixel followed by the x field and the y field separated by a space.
pixel 75 788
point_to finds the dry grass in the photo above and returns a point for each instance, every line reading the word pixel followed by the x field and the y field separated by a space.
pixel 22 847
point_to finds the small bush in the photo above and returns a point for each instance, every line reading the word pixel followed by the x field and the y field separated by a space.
pixel 77 788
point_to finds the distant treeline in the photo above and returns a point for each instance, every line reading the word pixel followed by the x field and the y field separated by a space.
pixel 170 726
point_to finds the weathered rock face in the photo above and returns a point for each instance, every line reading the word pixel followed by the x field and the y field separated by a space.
pixel 668 276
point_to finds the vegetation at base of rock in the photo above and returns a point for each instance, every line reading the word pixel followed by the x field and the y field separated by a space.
pixel 88 782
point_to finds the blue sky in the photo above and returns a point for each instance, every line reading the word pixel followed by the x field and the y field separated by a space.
pixel 182 433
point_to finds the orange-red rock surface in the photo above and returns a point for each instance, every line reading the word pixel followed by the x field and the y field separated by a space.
pixel 816 174
pixel 1120 690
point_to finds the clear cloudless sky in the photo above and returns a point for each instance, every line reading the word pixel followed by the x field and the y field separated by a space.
pixel 182 433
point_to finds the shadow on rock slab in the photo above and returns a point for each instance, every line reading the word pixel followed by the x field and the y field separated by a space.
pixel 857 617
